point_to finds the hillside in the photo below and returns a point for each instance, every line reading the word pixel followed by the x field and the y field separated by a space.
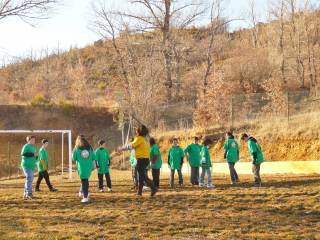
pixel 268 58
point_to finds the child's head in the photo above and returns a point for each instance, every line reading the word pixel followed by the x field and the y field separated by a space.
pixel 175 142
pixel 195 140
pixel 244 137
pixel 45 142
pixel 102 143
pixel 229 134
pixel 31 139
pixel 142 130
pixel 207 142
pixel 152 141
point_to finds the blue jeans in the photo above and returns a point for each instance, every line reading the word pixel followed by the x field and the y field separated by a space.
pixel 28 183
pixel 203 173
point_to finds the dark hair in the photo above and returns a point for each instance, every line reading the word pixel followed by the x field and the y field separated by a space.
pixel 196 138
pixel 244 136
pixel 229 133
pixel 207 141
pixel 44 141
pixel 152 141
pixel 29 137
pixel 142 131
pixel 101 142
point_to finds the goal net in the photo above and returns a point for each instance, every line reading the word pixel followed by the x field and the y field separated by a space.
pixel 59 150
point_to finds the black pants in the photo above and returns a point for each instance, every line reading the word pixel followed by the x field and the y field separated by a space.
pixel 85 187
pixel 142 164
pixel 156 177
pixel 43 175
pixel 194 177
pixel 108 180
pixel 233 173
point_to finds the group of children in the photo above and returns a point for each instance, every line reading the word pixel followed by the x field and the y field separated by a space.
pixel 145 155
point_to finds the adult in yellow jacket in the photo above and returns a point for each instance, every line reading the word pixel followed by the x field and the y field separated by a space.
pixel 142 153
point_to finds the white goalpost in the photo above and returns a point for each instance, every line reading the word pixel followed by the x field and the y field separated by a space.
pixel 62 132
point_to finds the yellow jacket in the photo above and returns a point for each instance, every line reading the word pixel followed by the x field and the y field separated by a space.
pixel 141 147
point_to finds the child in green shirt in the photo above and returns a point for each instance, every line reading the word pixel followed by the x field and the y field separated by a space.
pixel 206 163
pixel 104 160
pixel 29 156
pixel 175 162
pixel 256 157
pixel 192 153
pixel 43 166
pixel 156 162
pixel 84 157
pixel 231 154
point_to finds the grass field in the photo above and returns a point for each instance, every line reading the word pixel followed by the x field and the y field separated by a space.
pixel 287 207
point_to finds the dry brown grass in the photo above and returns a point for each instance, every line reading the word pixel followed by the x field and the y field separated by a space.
pixel 287 207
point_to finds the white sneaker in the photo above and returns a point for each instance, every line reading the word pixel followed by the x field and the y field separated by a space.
pixel 80 194
pixel 109 189
pixel 88 196
pixel 210 186
pixel 145 188
pixel 100 190
pixel 85 200
pixel 201 185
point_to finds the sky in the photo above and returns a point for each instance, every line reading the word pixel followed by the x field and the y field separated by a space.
pixel 68 27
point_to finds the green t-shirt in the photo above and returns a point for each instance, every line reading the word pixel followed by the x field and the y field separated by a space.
pixel 255 147
pixel 231 147
pixel 154 151
pixel 43 155
pixel 193 151
pixel 175 155
pixel 133 160
pixel 205 158
pixel 28 162
pixel 84 160
pixel 103 159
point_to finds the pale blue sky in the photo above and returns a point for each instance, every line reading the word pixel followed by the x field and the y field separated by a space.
pixel 69 27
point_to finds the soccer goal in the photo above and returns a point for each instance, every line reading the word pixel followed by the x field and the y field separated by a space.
pixel 63 133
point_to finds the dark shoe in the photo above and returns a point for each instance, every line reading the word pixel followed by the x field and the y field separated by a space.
pixel 140 187
pixel 53 189
pixel 153 192
pixel 37 190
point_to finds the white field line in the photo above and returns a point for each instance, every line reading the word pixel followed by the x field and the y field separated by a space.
pixel 287 167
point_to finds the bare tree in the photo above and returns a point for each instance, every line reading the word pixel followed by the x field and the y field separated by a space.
pixel 27 10
pixel 218 25
pixel 164 16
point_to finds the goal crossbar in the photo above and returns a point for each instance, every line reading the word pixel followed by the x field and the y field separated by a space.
pixel 62 132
